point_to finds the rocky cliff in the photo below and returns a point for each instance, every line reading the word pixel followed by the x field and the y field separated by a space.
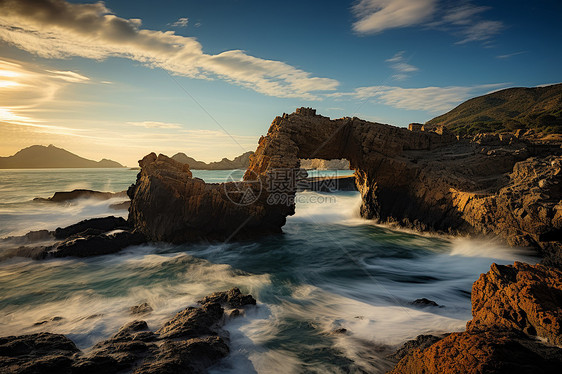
pixel 168 204
pixel 429 180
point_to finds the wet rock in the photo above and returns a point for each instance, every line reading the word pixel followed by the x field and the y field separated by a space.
pixel 121 206
pixel 338 331
pixel 54 319
pixel 92 237
pixel 424 302
pixel 482 352
pixel 30 237
pixel 190 342
pixel 192 322
pixel 95 245
pixel 36 353
pixel 60 197
pixel 420 342
pixel 143 308
pixel 231 299
pixel 521 297
pixel 185 356
pixel 95 225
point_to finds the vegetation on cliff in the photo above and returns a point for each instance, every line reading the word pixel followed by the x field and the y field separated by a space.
pixel 538 108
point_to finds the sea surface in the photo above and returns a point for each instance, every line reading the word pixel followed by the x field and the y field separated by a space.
pixel 329 270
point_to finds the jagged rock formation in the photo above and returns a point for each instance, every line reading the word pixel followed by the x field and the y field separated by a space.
pixel 511 306
pixel 91 237
pixel 168 204
pixel 519 297
pixel 428 180
pixel 188 343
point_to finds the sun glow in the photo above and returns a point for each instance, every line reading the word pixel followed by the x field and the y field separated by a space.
pixel 9 74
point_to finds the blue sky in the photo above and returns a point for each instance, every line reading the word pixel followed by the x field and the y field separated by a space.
pixel 120 79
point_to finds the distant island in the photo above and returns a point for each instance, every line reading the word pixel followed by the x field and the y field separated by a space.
pixel 243 162
pixel 240 162
pixel 41 157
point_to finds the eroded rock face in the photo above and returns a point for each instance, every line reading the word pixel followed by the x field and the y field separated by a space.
pixel 494 184
pixel 189 343
pixel 519 297
pixel 482 352
pixel 167 204
pixel 511 306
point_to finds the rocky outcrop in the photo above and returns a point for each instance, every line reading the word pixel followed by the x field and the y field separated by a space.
pixel 520 297
pixel 428 180
pixel 511 307
pixel 190 342
pixel 482 352
pixel 64 196
pixel 91 237
pixel 168 204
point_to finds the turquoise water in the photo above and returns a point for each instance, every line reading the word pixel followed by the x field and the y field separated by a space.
pixel 330 269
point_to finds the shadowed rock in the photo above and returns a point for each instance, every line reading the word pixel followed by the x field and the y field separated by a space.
pixel 91 237
pixel 190 342
pixel 168 204
pixel 64 196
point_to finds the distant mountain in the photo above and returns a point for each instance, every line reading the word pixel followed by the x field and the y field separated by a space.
pixel 39 156
pixel 240 162
pixel 538 108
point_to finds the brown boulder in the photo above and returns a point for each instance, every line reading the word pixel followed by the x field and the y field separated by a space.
pixel 519 297
pixel 482 352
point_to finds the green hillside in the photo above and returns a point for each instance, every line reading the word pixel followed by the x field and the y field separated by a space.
pixel 538 108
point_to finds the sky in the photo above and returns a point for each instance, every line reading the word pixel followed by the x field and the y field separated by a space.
pixel 119 79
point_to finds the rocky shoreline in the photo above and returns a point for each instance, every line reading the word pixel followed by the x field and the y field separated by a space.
pixel 190 342
pixel 501 185
pixel 516 327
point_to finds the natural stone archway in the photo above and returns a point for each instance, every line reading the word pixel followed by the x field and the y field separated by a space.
pixel 376 152
pixel 426 180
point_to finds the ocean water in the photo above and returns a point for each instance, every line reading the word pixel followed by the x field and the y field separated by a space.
pixel 329 270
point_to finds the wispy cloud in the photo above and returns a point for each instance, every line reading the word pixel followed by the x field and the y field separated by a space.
pixel 374 16
pixel 24 87
pixel 430 99
pixel 481 31
pixel 181 22
pixel 509 55
pixel 58 29
pixel 402 68
pixel 155 125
